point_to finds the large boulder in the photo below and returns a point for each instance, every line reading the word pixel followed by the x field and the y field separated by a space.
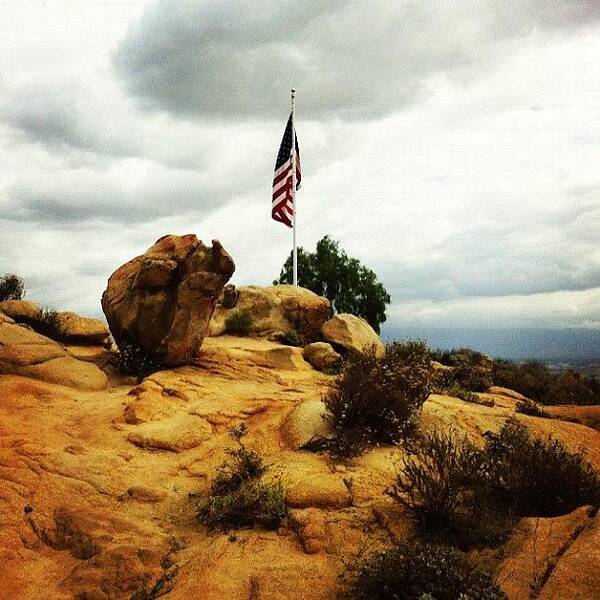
pixel 81 330
pixel 162 301
pixel 276 310
pixel 351 333
pixel 20 310
pixel 26 353
pixel 321 356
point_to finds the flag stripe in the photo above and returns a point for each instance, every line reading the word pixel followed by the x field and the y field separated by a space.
pixel 282 205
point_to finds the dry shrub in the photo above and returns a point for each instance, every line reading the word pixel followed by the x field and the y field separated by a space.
pixel 239 497
pixel 418 571
pixel 376 399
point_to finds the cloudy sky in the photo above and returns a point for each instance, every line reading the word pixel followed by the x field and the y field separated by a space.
pixel 451 145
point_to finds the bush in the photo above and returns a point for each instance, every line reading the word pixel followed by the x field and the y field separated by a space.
pixel 130 359
pixel 471 370
pixel 11 287
pixel 47 323
pixel 469 496
pixel 440 485
pixel 239 322
pixel 415 571
pixel 457 392
pixel 291 338
pixel 536 381
pixel 239 497
pixel 537 477
pixel 531 408
pixel 376 399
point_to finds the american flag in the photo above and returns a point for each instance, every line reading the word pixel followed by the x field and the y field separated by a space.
pixel 282 207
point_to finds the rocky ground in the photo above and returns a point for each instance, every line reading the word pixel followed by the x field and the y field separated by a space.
pixel 99 489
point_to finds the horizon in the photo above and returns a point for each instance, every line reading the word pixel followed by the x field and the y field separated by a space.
pixel 437 147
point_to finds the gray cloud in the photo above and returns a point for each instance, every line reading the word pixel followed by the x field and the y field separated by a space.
pixel 348 58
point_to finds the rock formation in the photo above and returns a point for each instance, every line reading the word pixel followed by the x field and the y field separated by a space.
pixel 321 356
pixel 24 352
pixel 99 488
pixel 351 333
pixel 275 311
pixel 163 300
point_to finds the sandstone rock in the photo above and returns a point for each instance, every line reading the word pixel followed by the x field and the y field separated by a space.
pixel 502 391
pixel 229 297
pixel 321 356
pixel 276 310
pixel 553 558
pixel 24 352
pixel 309 524
pixel 5 318
pixel 20 310
pixel 352 333
pixel 95 354
pixel 305 423
pixel 309 482
pixel 175 435
pixel 163 300
pixel 82 330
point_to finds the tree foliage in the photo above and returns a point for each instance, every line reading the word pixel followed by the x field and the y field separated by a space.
pixel 11 287
pixel 350 286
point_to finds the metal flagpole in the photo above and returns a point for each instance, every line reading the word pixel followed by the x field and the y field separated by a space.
pixel 294 253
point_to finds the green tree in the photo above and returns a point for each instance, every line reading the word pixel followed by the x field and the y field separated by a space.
pixel 350 286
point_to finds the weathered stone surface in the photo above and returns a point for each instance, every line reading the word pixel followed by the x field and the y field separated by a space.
pixel 20 310
pixel 276 310
pixel 502 391
pixel 321 356
pixel 82 330
pixel 24 352
pixel 88 513
pixel 553 558
pixel 352 333
pixel 163 300
pixel 305 423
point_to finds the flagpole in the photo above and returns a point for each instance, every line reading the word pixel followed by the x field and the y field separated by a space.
pixel 294 252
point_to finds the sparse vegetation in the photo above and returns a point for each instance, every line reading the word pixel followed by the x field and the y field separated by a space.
pixel 130 359
pixel 536 381
pixel 291 338
pixel 531 408
pixel 47 323
pixel 468 496
pixel 239 496
pixel 458 392
pixel 239 322
pixel 376 399
pixel 418 571
pixel 440 484
pixel 11 287
pixel 536 477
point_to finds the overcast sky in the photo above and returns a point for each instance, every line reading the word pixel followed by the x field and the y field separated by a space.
pixel 453 146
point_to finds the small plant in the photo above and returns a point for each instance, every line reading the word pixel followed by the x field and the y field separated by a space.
pixel 291 338
pixel 458 392
pixel 11 287
pixel 239 497
pixel 239 322
pixel 436 484
pixel 418 571
pixel 130 359
pixel 47 323
pixel 469 496
pixel 531 408
pixel 376 399
pixel 536 477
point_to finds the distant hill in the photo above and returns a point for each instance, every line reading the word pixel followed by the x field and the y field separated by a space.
pixel 572 346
